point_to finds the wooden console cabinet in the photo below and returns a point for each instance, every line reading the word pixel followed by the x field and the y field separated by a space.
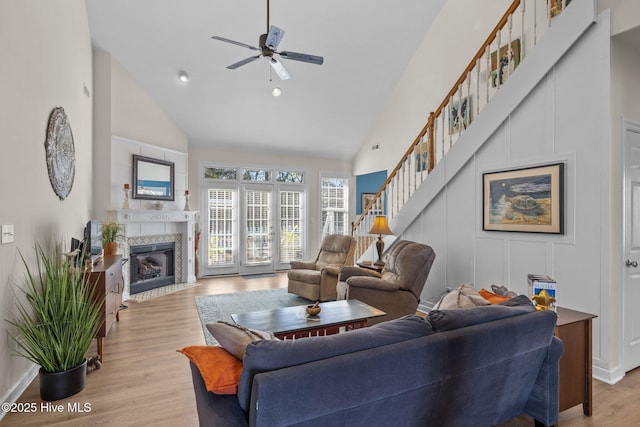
pixel 107 277
pixel 574 329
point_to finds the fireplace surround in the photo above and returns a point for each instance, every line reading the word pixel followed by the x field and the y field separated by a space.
pixel 150 227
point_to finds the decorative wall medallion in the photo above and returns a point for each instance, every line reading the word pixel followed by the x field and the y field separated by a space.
pixel 61 156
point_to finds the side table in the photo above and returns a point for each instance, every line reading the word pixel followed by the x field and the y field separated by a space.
pixel 574 329
pixel 371 266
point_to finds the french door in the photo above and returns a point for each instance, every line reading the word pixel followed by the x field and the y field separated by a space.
pixel 250 229
pixel 219 240
pixel 256 231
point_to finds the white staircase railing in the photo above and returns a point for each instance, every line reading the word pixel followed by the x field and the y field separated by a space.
pixel 517 32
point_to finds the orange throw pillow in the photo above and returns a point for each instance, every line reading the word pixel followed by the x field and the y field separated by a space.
pixel 491 297
pixel 220 370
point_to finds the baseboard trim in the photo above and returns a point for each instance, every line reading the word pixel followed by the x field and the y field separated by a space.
pixel 14 394
pixel 608 376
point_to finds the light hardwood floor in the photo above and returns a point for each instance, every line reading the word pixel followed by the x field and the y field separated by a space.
pixel 145 382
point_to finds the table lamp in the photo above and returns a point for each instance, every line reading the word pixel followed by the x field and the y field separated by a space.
pixel 380 227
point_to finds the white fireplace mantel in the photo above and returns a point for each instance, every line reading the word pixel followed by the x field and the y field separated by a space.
pixel 141 216
pixel 155 222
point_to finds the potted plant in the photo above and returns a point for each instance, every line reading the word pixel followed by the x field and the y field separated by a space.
pixel 111 233
pixel 56 322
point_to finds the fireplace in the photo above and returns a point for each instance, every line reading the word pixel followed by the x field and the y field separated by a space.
pixel 151 266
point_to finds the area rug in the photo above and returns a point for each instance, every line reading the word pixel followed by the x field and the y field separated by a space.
pixel 161 291
pixel 212 308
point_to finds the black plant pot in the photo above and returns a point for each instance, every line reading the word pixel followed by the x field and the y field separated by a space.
pixel 58 385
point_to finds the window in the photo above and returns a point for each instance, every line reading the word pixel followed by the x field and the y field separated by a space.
pixel 335 206
pixel 221 173
pixel 256 175
pixel 256 217
pixel 290 177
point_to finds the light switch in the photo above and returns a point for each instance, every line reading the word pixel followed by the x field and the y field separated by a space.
pixel 7 234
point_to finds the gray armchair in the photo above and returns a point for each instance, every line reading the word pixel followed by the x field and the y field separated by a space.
pixel 316 280
pixel 397 289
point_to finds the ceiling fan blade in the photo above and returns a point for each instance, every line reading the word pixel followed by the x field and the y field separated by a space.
pixel 222 39
pixel 279 69
pixel 274 37
pixel 243 62
pixel 302 57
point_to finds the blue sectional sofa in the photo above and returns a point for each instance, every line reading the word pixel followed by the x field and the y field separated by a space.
pixel 467 367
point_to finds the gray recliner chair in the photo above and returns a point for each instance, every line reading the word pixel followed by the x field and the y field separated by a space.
pixel 316 280
pixel 396 290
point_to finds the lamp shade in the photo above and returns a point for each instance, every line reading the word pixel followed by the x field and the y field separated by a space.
pixel 380 226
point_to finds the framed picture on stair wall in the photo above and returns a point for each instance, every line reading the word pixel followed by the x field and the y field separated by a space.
pixel 367 198
pixel 422 157
pixel 555 7
pixel 526 200
pixel 458 112
pixel 504 62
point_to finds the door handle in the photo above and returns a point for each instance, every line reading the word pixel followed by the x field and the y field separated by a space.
pixel 631 263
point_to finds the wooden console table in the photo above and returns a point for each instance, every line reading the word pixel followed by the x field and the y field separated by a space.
pixel 574 329
pixel 107 277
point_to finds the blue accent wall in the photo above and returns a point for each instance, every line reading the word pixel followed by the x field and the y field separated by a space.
pixel 368 183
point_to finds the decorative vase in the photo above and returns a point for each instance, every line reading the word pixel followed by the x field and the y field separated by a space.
pixel 59 385
pixel 125 205
pixel 110 248
pixel 187 207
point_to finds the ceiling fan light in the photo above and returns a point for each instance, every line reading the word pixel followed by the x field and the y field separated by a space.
pixel 279 69
pixel 183 77
pixel 276 91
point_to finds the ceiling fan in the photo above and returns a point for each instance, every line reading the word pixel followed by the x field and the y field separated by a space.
pixel 268 43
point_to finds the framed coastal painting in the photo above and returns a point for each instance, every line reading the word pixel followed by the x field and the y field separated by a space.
pixel 526 200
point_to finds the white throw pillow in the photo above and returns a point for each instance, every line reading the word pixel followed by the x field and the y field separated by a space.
pixel 464 296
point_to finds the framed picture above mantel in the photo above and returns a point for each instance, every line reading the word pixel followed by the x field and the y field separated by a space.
pixel 525 200
pixel 153 179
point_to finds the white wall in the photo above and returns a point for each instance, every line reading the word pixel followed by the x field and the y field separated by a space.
pixel 625 92
pixel 456 35
pixel 122 151
pixel 558 121
pixel 44 63
pixel 625 14
pixel 135 115
pixel 125 113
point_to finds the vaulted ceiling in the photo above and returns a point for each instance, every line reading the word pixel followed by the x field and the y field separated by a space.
pixel 324 111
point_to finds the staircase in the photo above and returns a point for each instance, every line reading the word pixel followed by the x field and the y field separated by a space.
pixel 507 66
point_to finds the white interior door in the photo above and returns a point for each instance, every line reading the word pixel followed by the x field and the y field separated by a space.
pixel 631 249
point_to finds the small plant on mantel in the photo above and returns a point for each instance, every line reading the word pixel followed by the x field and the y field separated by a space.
pixel 111 234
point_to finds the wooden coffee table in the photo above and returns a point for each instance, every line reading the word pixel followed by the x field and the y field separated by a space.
pixel 293 322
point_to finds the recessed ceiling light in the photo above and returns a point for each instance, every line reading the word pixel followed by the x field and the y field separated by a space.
pixel 183 77
pixel 276 91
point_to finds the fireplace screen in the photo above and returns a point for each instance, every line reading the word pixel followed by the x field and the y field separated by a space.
pixel 152 266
